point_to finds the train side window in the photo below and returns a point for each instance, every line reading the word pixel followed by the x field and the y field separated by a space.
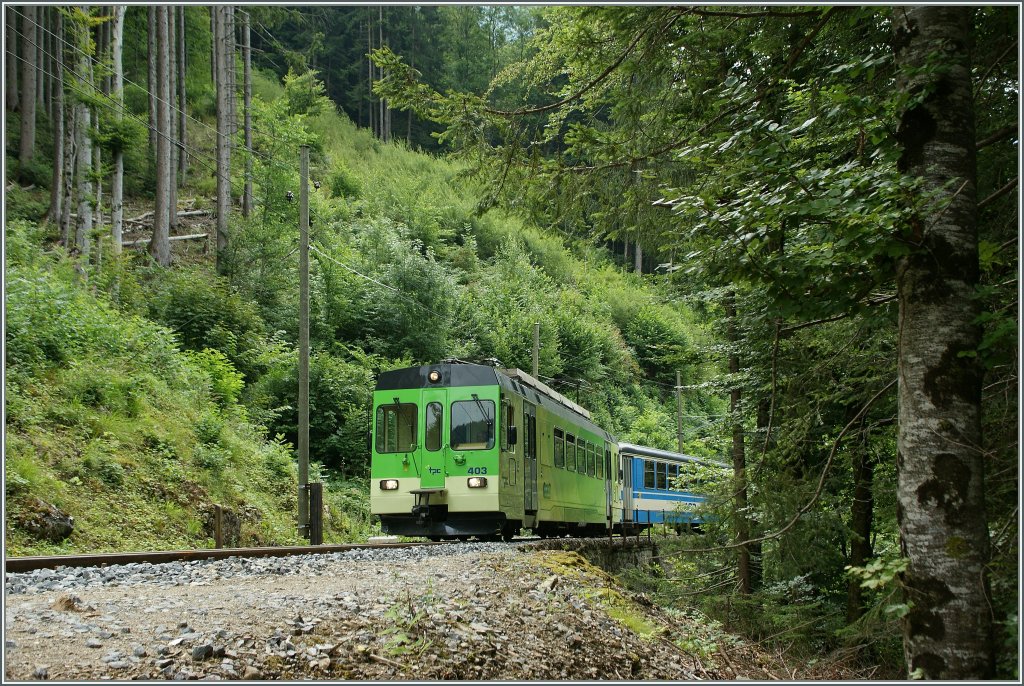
pixel 570 452
pixel 591 460
pixel 601 459
pixel 581 456
pixel 472 424
pixel 648 474
pixel 432 439
pixel 506 414
pixel 673 476
pixel 528 436
pixel 559 448
pixel 662 476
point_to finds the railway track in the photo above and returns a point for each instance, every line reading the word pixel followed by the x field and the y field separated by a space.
pixel 31 563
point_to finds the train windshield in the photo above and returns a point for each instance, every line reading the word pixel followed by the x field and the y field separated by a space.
pixel 472 424
pixel 396 428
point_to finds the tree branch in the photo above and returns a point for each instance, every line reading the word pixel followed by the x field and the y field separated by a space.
pixel 988 72
pixel 996 136
pixel 745 15
pixel 999 193
pixel 814 498
pixel 580 93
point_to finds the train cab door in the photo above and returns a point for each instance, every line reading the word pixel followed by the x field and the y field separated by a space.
pixel 435 439
pixel 626 478
pixel 529 458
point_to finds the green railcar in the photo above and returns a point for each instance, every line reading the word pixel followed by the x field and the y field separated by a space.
pixel 464 450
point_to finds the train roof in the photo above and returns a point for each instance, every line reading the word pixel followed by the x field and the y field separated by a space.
pixel 457 373
pixel 667 455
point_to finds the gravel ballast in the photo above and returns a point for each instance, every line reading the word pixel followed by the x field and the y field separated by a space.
pixel 458 611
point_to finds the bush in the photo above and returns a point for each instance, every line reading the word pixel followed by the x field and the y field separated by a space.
pixel 52 321
pixel 225 382
pixel 343 183
pixel 206 313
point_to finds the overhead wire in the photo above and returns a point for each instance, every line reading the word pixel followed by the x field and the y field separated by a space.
pixel 315 248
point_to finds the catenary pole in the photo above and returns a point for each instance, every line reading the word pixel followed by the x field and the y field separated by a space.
pixel 304 341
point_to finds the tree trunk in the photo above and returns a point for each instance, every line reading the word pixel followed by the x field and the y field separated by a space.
pixel 861 516
pixel 151 78
pixel 247 107
pixel 369 79
pixel 40 37
pixel 28 87
pixel 941 507
pixel 172 109
pixel 11 70
pixel 55 213
pixel 380 75
pixel 739 456
pixel 97 152
pixel 229 61
pixel 223 141
pixel 160 246
pixel 182 105
pixel 68 185
pixel 83 147
pixel 117 184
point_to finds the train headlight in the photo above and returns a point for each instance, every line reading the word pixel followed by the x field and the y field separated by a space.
pixel 389 484
pixel 434 376
pixel 477 481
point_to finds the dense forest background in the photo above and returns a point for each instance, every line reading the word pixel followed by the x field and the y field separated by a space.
pixel 807 213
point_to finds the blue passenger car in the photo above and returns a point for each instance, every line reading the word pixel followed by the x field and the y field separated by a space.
pixel 649 490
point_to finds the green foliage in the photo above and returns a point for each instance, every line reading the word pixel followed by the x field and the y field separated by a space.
pixel 343 183
pixel 25 204
pixel 304 94
pixel 206 313
pixel 225 383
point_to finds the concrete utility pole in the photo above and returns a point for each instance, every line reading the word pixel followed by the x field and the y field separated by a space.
pixel 304 341
pixel 536 349
pixel 679 412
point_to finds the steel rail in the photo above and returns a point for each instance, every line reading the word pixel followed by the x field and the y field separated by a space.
pixel 30 563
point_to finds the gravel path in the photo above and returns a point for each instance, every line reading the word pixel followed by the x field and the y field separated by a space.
pixel 460 611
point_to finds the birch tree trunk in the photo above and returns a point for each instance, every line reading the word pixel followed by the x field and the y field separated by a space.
pixel 55 213
pixel 11 69
pixel 117 184
pixel 941 507
pixel 151 77
pixel 159 245
pixel 27 144
pixel 247 107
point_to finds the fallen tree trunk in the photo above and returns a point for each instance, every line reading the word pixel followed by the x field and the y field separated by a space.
pixel 145 241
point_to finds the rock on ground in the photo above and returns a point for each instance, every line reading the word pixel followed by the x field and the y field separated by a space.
pixel 474 615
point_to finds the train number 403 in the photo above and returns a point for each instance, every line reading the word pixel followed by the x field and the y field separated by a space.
pixel 477 470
